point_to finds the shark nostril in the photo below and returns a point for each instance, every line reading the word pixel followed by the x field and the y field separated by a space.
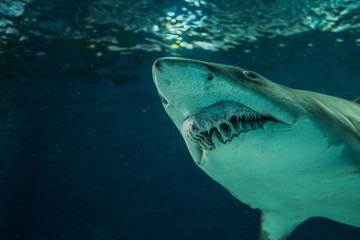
pixel 167 81
pixel 210 77
pixel 163 100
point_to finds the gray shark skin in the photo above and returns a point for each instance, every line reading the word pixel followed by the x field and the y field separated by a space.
pixel 293 154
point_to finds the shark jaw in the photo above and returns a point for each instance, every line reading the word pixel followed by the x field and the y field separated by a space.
pixel 210 128
pixel 223 121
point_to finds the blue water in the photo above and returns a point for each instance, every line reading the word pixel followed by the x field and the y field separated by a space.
pixel 87 151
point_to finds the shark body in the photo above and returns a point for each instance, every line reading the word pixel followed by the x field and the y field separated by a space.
pixel 293 154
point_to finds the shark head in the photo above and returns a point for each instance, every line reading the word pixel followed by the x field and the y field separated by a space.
pixel 214 104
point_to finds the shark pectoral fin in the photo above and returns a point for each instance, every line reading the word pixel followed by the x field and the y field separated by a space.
pixel 278 226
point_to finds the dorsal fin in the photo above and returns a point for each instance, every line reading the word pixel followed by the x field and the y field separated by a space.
pixel 357 100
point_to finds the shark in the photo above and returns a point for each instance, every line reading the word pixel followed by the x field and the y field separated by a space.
pixel 292 154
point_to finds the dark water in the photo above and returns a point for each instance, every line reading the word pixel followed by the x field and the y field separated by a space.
pixel 87 152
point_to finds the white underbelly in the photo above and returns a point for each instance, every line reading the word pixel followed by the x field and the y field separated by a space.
pixel 274 177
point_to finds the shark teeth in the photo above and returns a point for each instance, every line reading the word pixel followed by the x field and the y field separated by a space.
pixel 224 120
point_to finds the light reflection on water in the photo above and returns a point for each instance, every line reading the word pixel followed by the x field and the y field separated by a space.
pixel 173 25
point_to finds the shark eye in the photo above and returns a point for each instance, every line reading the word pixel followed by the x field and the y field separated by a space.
pixel 247 74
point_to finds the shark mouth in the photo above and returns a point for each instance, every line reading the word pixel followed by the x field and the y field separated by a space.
pixel 224 120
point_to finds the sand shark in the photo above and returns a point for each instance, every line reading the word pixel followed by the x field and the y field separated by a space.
pixel 293 154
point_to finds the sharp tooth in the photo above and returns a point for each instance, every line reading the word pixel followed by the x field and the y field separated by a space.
pixel 207 146
pixel 260 124
pixel 234 122
pixel 211 146
pixel 195 124
pixel 202 145
pixel 201 126
pixel 219 136
pixel 194 128
pixel 232 128
pixel 207 138
pixel 207 125
pixel 221 132
pixel 241 128
pixel 192 135
pixel 215 138
pixel 198 135
pixel 225 131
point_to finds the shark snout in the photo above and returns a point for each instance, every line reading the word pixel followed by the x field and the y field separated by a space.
pixel 159 76
pixel 162 80
pixel 173 75
pixel 160 63
pixel 182 83
pixel 181 72
pixel 191 84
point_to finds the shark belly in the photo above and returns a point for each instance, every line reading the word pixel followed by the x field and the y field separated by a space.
pixel 316 188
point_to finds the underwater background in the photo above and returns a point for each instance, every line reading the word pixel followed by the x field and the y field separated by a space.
pixel 86 149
